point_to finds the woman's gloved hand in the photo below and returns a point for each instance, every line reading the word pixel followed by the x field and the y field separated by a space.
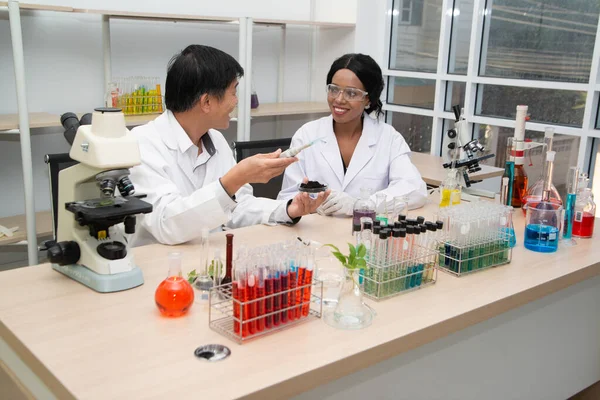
pixel 338 203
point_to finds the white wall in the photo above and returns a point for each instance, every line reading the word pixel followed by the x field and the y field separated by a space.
pixel 63 65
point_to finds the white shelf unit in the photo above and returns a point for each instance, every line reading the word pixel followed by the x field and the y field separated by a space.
pixel 20 125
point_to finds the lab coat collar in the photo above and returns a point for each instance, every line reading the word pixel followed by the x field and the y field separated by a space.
pixel 175 137
pixel 362 154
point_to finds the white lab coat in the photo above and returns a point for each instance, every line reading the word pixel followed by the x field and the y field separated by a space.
pixel 181 209
pixel 381 162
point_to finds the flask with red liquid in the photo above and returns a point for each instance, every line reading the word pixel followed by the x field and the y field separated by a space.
pixel 585 214
pixel 174 296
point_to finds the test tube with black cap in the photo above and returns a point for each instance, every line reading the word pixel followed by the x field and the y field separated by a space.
pixel 420 220
pixel 401 217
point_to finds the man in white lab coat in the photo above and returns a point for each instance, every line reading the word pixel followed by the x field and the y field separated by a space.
pixel 356 150
pixel 188 170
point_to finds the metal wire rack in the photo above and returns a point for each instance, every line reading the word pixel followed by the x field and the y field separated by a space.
pixel 382 281
pixel 241 321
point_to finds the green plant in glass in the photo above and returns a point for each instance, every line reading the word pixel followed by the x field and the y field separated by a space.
pixel 350 312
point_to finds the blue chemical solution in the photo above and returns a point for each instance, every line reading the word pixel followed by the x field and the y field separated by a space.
pixel 512 241
pixel 541 238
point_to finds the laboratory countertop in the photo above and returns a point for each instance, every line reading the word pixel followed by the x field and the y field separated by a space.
pixel 81 343
pixel 433 172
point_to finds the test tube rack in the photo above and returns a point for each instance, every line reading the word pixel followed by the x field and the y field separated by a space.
pixel 242 321
pixel 465 259
pixel 382 281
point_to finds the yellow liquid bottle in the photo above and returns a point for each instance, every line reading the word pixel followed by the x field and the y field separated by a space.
pixel 450 190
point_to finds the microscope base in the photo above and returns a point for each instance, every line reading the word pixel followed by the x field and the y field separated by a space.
pixel 99 282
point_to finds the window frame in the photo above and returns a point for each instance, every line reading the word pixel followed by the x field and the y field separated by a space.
pixel 474 82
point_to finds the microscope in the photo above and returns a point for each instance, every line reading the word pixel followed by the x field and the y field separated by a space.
pixel 94 225
pixel 459 146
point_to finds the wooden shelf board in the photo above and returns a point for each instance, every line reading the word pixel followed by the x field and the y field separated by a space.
pixel 43 227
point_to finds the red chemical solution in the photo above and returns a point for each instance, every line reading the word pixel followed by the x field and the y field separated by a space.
pixel 285 285
pixel 585 227
pixel 174 296
pixel 307 281
pixel 245 310
pixel 292 296
pixel 269 302
pixel 260 294
pixel 252 305
pixel 236 308
pixel 276 301
pixel 298 309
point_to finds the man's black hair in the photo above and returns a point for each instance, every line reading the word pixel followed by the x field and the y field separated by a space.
pixel 198 70
pixel 369 73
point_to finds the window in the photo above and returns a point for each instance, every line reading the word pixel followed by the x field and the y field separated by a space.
pixel 405 12
pixel 545 105
pixel 411 92
pixel 532 52
pixel 415 45
pixel 494 139
pixel 460 37
pixel 455 94
pixel 415 129
pixel 542 40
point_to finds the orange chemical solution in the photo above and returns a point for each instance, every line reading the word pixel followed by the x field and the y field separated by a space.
pixel 308 282
pixel 519 186
pixel 174 296
pixel 292 296
pixel 285 286
pixel 298 309
pixel 269 302
pixel 236 307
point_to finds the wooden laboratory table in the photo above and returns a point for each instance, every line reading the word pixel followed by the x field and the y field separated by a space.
pixel 433 172
pixel 86 345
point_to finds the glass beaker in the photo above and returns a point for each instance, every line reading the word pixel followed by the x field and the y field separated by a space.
pixel 364 207
pixel 542 227
pixel 331 273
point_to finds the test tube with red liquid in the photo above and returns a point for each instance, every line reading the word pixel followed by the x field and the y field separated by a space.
pixel 260 295
pixel 277 298
pixel 308 273
pixel 284 277
pixel 299 294
pixel 252 304
pixel 269 299
pixel 292 296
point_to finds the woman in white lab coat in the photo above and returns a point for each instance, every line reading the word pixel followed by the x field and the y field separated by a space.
pixel 188 171
pixel 356 150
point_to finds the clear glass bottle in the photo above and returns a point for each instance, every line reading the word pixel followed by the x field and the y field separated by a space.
pixel 174 296
pixel 585 214
pixel 535 191
pixel 381 214
pixel 204 282
pixel 363 207
pixel 450 190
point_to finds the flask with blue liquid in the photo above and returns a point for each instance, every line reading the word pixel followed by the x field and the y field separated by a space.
pixel 544 220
